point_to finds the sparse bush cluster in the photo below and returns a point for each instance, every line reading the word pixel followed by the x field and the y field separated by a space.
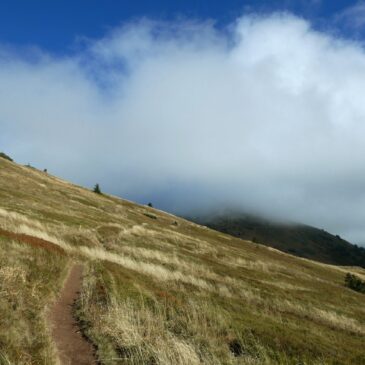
pixel 355 283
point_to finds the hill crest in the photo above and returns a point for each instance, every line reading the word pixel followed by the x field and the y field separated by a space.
pixel 160 289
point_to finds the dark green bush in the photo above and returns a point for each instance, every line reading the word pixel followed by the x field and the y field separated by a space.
pixel 4 155
pixel 355 283
pixel 97 189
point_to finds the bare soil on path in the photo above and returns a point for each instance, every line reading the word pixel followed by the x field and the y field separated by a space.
pixel 73 348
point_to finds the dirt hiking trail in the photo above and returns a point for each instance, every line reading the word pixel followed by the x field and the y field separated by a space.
pixel 73 348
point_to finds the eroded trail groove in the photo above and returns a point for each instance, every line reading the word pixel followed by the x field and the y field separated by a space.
pixel 72 347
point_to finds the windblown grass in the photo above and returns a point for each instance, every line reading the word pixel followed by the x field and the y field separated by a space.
pixel 29 279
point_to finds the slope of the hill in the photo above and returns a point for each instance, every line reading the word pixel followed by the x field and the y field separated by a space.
pixel 158 289
pixel 297 239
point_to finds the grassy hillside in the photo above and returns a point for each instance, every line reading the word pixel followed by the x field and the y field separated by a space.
pixel 296 239
pixel 159 289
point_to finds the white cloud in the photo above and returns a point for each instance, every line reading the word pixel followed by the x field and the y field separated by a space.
pixel 269 117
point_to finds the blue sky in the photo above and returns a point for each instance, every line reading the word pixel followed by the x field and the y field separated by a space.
pixel 56 25
pixel 193 105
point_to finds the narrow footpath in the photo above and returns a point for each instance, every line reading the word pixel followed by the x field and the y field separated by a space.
pixel 73 348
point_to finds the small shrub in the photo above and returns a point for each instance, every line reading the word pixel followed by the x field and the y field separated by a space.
pixel 150 205
pixel 355 283
pixel 5 156
pixel 97 189
pixel 236 348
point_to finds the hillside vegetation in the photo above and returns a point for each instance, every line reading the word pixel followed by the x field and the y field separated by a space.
pixel 159 289
pixel 297 239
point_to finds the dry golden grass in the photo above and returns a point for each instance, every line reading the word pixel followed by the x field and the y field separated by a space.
pixel 328 317
pixel 29 279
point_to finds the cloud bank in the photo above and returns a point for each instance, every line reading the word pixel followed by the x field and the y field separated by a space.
pixel 267 116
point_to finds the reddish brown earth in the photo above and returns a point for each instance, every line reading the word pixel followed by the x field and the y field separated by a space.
pixel 73 348
pixel 33 241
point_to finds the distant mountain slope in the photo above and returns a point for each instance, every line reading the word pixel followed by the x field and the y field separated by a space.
pixel 297 239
